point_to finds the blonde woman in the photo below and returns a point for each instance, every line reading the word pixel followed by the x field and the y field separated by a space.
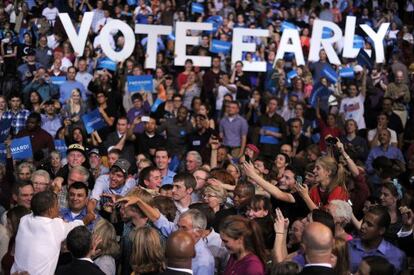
pixel 215 196
pixel 147 252
pixel 108 247
pixel 74 108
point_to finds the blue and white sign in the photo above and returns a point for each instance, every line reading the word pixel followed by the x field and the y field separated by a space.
pixel 93 121
pixel 218 46
pixel 292 74
pixel 106 63
pixel 346 73
pixel 58 80
pixel 4 129
pixel 137 83
pixel 359 42
pixel 327 33
pixel 197 8
pixel 156 104
pixel 216 20
pixel 330 74
pixel 21 148
pixel 60 146
pixel 287 25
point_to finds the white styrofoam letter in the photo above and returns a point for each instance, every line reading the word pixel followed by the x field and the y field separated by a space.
pixel 129 35
pixel 153 32
pixel 78 41
pixel 317 41
pixel 349 50
pixel 239 47
pixel 294 47
pixel 378 38
pixel 182 40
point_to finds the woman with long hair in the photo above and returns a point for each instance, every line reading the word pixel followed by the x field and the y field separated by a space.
pixel 330 184
pixel 243 240
pixel 109 247
pixel 34 102
pixel 340 251
pixel 190 89
pixel 147 252
pixel 74 108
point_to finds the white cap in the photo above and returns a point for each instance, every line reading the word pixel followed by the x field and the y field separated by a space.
pixel 358 69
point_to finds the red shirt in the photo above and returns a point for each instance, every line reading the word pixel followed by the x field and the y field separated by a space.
pixel 325 131
pixel 248 265
pixel 338 193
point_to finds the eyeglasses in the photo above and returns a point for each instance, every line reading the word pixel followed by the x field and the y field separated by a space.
pixel 40 183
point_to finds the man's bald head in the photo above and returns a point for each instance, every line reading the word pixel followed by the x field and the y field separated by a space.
pixel 318 241
pixel 180 249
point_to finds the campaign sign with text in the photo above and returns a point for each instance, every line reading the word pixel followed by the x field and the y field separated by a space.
pixel 346 73
pixel 58 80
pixel 21 148
pixel 60 146
pixel 93 121
pixel 4 129
pixel 330 74
pixel 218 46
pixel 137 83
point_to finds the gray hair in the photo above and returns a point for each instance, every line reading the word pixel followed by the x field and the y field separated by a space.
pixel 81 170
pixel 196 155
pixel 342 210
pixel 41 173
pixel 26 164
pixel 198 219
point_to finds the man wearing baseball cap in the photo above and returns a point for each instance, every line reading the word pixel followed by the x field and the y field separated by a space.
pixel 27 70
pixel 76 156
pixel 113 185
pixel 95 161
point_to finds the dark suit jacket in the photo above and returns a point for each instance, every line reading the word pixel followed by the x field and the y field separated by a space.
pixel 79 267
pixel 173 272
pixel 317 270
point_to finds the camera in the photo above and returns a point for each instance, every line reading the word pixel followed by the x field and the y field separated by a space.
pixel 331 141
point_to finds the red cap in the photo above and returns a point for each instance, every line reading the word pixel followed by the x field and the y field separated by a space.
pixel 253 148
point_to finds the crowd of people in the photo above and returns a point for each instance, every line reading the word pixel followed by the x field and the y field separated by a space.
pixel 215 170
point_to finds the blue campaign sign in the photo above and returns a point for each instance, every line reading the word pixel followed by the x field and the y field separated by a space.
pixel 156 104
pixel 106 63
pixel 322 93
pixel 58 80
pixel 330 74
pixel 287 25
pixel 363 59
pixel 359 42
pixel 137 83
pixel 132 2
pixel 216 20
pixel 347 73
pixel 265 139
pixel 292 74
pixel 5 129
pixel 21 148
pixel 197 8
pixel 60 146
pixel 327 33
pixel 93 121
pixel 218 46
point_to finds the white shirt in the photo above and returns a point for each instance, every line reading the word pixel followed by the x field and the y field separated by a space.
pixel 373 132
pixel 353 108
pixel 84 78
pixel 50 14
pixel 38 243
pixel 222 91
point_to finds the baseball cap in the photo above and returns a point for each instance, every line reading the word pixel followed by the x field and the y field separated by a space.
pixel 94 151
pixel 122 164
pixel 76 147
pixel 358 68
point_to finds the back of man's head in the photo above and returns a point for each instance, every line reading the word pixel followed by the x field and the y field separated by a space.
pixel 318 242
pixel 79 242
pixel 180 249
pixel 42 202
